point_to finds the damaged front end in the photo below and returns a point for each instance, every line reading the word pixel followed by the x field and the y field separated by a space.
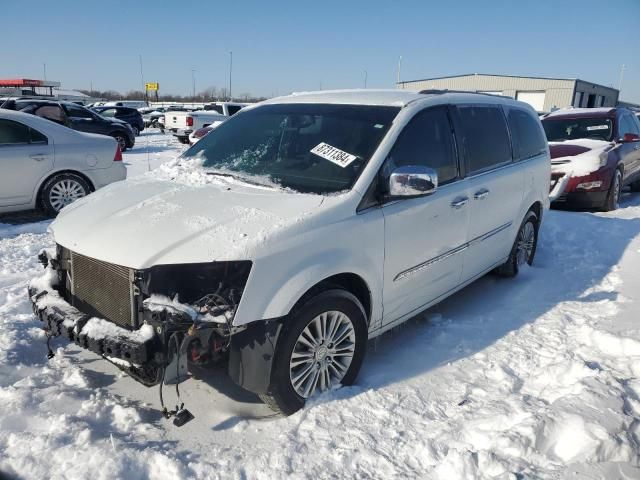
pixel 151 323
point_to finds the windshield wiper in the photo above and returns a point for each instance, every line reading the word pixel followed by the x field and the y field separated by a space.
pixel 240 178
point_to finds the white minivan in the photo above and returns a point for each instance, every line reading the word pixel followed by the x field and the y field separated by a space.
pixel 295 231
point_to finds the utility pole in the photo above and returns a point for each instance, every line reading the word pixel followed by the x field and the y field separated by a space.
pixel 365 79
pixel 193 81
pixel 230 70
pixel 142 78
pixel 44 71
pixel 622 68
pixel 399 67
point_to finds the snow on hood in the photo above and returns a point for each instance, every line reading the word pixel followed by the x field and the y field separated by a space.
pixel 178 214
pixel 578 157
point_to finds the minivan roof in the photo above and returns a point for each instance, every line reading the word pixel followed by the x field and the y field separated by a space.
pixel 389 97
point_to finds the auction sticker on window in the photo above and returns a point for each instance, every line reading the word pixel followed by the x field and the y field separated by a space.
pixel 597 127
pixel 333 154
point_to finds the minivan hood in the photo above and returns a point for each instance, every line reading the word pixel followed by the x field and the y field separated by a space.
pixel 147 221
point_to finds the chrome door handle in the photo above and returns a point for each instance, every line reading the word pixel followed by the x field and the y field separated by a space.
pixel 459 202
pixel 481 194
pixel 38 157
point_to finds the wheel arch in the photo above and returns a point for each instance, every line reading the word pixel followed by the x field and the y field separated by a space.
pixel 348 281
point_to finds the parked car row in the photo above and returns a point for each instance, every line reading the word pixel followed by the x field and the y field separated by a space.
pixel 76 117
pixel 331 218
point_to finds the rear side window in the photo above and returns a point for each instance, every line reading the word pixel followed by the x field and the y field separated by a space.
pixel 233 109
pixel 427 141
pixel 485 137
pixel 108 112
pixel 627 125
pixel 12 133
pixel 528 140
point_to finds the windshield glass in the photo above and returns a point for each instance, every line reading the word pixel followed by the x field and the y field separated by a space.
pixel 309 148
pixel 561 129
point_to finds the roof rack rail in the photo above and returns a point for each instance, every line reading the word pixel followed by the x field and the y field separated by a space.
pixel 436 91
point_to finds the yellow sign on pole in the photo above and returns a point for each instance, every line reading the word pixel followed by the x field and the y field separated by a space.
pixel 152 86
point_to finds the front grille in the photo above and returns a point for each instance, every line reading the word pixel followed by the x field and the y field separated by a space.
pixel 102 289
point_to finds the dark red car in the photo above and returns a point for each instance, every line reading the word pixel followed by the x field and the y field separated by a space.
pixel 595 152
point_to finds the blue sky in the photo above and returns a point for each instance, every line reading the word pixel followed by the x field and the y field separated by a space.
pixel 279 47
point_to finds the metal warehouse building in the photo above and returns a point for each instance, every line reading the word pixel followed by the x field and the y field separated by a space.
pixel 543 94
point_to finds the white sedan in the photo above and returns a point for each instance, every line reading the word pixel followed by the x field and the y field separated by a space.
pixel 46 165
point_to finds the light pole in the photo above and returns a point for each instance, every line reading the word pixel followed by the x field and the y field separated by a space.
pixel 365 79
pixel 193 82
pixel 399 67
pixel 230 70
pixel 142 78
pixel 621 77
pixel 44 70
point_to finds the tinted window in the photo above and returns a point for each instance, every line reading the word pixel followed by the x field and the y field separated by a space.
pixel 233 109
pixel 77 111
pixel 306 147
pixel 484 135
pixel 627 125
pixel 215 108
pixel 13 132
pixel 37 137
pixel 528 140
pixel 427 141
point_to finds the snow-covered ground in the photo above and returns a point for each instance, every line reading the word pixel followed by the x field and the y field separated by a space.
pixel 535 377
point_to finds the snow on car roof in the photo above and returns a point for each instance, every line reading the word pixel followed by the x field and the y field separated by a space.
pixel 600 111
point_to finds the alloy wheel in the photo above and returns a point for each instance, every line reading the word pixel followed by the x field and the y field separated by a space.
pixel 526 240
pixel 64 192
pixel 322 354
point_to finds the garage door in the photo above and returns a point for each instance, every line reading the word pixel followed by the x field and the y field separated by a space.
pixel 535 99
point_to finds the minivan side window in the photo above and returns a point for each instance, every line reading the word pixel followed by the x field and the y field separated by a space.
pixel 427 141
pixel 484 135
pixel 527 136
pixel 233 109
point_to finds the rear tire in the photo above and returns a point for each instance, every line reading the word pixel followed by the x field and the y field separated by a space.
pixel 524 247
pixel 61 190
pixel 615 191
pixel 136 131
pixel 310 357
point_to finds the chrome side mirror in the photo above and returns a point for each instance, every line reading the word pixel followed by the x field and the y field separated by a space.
pixel 412 181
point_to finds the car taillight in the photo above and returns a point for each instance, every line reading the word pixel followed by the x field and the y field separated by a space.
pixel 118 157
pixel 201 132
pixel 189 121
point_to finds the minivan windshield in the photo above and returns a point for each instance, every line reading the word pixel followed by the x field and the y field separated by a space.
pixel 310 148
pixel 561 129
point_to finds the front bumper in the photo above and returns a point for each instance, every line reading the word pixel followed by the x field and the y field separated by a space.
pixel 587 200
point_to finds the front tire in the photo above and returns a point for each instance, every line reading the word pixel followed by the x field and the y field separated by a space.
pixel 615 191
pixel 321 346
pixel 61 190
pixel 524 246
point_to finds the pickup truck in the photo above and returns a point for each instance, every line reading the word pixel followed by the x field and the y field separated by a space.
pixel 182 124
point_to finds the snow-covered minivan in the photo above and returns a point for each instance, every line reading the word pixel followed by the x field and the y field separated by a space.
pixel 295 231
